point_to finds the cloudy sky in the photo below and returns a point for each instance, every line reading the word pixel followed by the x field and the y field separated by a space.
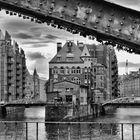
pixel 39 40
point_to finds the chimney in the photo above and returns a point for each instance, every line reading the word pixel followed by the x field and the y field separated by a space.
pixel 80 45
pixel 59 46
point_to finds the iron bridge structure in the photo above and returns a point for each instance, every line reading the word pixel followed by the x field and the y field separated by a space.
pixel 109 23
pixel 123 102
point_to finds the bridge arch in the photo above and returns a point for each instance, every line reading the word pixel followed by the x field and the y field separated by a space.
pixel 108 22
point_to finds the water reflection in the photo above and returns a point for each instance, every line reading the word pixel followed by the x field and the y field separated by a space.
pixel 85 131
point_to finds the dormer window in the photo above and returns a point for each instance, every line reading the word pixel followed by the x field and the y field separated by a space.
pixel 69 47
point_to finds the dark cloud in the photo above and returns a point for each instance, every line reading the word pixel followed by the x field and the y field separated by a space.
pixel 23 36
pixel 130 64
pixel 35 55
pixel 49 36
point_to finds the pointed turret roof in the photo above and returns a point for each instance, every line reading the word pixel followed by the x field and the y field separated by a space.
pixel 85 52
pixel 7 36
pixel 68 54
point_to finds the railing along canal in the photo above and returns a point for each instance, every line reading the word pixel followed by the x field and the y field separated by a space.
pixel 68 131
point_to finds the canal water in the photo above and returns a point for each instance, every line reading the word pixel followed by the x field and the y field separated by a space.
pixel 103 128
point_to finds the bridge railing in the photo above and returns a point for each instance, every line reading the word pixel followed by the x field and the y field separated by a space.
pixel 68 131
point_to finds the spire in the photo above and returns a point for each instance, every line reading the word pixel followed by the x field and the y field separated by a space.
pixel 7 36
pixel 35 72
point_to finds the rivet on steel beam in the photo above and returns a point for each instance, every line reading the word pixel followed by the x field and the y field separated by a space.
pixel 133 27
pixel 53 1
pixel 112 14
pixel 108 25
pixel 72 19
pixel 135 21
pixel 131 33
pixel 65 5
pixel 74 14
pixel 99 16
pixel 84 23
pixel 101 10
pixel 16 2
pixel 41 4
pixel 61 16
pixel 78 3
pixel 120 29
pixel 50 12
pixel 95 27
pixel 106 30
pixel 76 9
pixel 97 21
pixel 62 11
pixel 110 20
pixel 85 18
pixel 121 23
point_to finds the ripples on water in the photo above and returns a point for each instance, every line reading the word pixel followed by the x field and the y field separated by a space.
pixel 72 132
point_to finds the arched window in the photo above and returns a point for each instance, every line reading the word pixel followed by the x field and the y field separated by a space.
pixel 78 70
pixel 55 70
pixel 73 70
pixel 78 81
pixel 62 70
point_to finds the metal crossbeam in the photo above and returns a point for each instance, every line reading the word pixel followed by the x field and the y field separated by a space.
pixel 99 18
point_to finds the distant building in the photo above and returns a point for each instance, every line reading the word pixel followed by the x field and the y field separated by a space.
pixel 129 85
pixel 89 65
pixel 33 85
pixel 12 69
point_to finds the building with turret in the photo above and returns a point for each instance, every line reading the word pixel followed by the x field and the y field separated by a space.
pixel 94 66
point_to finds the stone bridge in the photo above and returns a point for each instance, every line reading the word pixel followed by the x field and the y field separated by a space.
pixel 108 22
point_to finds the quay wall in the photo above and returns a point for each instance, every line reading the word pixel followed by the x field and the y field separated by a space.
pixel 70 113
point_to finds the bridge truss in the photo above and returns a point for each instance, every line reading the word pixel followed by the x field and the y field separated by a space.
pixel 109 23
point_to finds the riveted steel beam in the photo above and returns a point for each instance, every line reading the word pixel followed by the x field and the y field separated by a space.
pixel 104 20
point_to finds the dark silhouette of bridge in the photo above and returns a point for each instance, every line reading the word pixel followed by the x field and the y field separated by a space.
pixel 108 22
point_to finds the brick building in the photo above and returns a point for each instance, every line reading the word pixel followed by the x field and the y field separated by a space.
pixel 82 64
pixel 12 69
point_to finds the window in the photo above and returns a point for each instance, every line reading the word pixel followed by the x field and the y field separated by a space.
pixel 62 70
pixel 78 70
pixel 81 99
pixel 68 98
pixel 78 81
pixel 73 70
pixel 58 58
pixel 55 70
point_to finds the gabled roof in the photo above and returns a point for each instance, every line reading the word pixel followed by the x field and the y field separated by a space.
pixel 63 56
pixel 7 36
